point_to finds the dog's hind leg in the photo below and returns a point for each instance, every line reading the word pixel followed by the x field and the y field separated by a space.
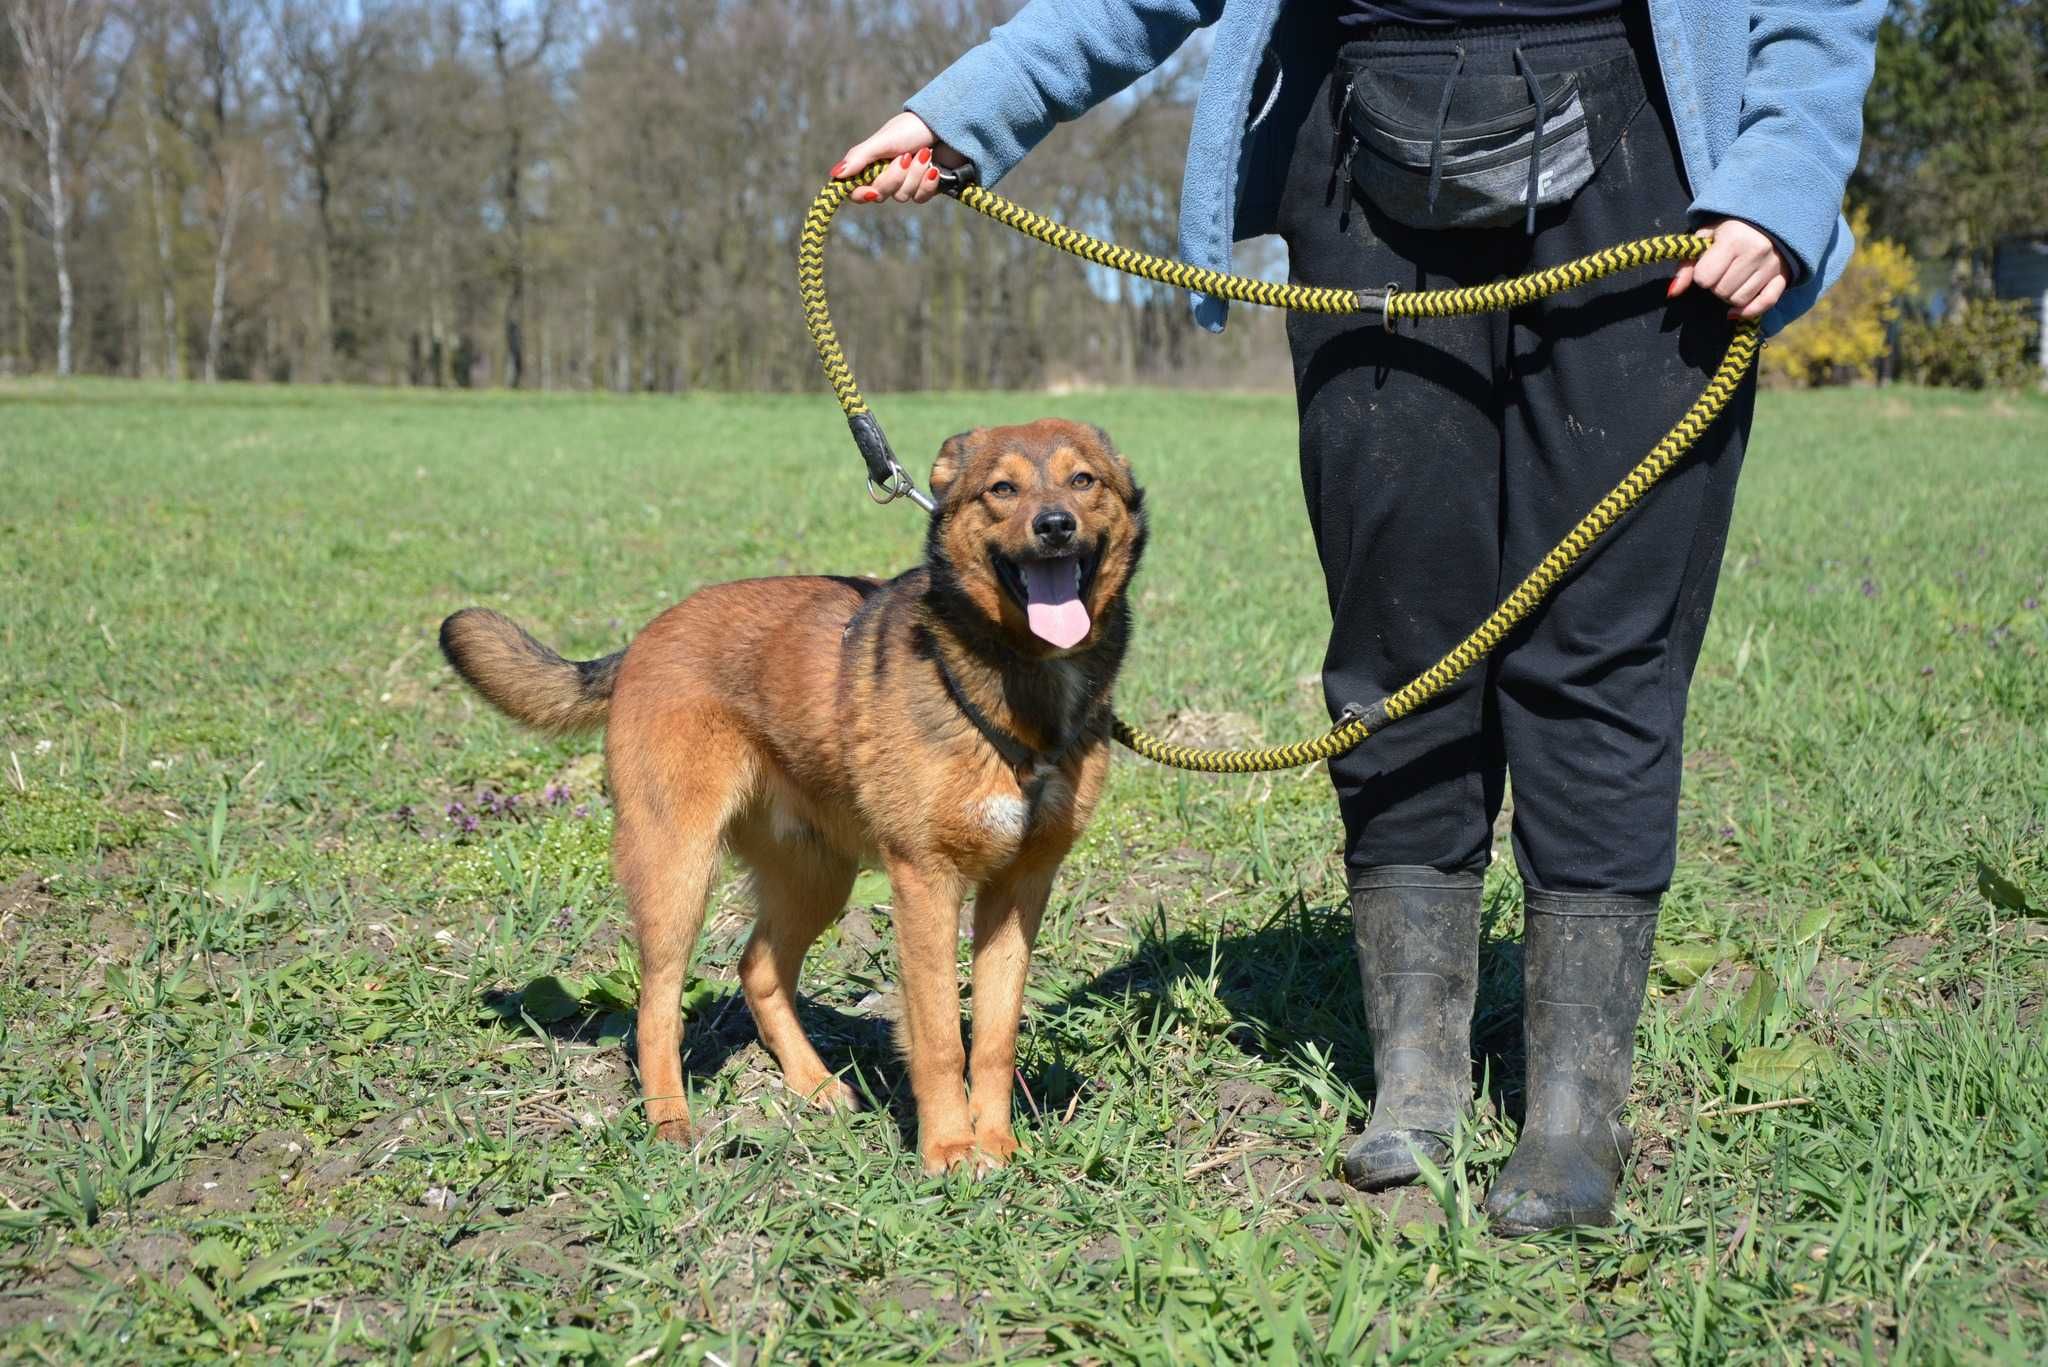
pixel 665 849
pixel 798 892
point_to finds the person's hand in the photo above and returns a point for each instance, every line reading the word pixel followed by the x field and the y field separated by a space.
pixel 914 156
pixel 1742 269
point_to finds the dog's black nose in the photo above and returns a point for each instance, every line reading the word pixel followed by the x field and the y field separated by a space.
pixel 1054 528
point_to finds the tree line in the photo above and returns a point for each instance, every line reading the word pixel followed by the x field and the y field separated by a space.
pixel 606 193
pixel 543 194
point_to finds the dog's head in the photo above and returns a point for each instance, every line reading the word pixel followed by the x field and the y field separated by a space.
pixel 1038 529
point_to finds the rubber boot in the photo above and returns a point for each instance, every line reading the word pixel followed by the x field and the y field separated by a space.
pixel 1585 965
pixel 1417 932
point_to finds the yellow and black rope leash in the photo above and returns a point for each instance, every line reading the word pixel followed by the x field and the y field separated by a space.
pixel 887 479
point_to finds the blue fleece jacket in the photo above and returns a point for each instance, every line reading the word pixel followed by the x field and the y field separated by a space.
pixel 1767 97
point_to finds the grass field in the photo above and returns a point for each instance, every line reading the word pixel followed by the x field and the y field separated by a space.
pixel 314 1012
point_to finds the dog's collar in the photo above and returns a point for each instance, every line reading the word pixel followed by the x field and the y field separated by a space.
pixel 1032 766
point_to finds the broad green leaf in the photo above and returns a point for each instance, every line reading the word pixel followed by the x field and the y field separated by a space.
pixel 1781 1068
pixel 213 1254
pixel 550 999
pixel 613 1026
pixel 1685 964
pixel 201 1300
pixel 870 889
pixel 1755 1008
pixel 1998 890
pixel 613 991
pixel 699 993
pixel 1814 924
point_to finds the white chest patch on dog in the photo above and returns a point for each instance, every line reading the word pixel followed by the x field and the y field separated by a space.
pixel 1005 816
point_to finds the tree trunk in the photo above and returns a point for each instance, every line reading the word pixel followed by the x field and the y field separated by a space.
pixel 515 287
pixel 60 232
pixel 24 349
pixel 591 377
pixel 323 281
pixel 231 201
pixel 173 357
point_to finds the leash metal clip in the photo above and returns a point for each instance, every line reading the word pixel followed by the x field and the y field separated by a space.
pixel 899 485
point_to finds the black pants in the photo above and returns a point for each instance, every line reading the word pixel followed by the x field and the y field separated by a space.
pixel 1443 459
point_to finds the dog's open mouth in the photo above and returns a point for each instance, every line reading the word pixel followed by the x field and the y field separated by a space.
pixel 1053 594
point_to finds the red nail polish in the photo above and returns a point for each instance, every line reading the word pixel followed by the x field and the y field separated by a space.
pixel 932 174
pixel 904 161
pixel 924 154
pixel 1672 292
pixel 838 169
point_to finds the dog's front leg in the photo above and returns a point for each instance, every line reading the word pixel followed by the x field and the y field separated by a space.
pixel 1006 916
pixel 927 916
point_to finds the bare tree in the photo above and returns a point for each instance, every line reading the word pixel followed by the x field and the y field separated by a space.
pixel 60 45
pixel 567 192
pixel 518 45
pixel 327 58
pixel 207 100
pixel 153 46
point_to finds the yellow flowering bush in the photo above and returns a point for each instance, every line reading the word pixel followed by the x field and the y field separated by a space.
pixel 1843 337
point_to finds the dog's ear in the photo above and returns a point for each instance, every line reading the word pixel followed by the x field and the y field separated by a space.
pixel 952 456
pixel 1125 475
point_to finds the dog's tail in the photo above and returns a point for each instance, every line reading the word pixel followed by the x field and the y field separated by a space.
pixel 523 678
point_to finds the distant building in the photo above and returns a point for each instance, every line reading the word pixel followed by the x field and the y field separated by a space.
pixel 2019 270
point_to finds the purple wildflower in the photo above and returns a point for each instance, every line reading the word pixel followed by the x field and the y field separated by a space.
pixel 2031 604
pixel 456 810
pixel 1727 832
pixel 555 794
pixel 488 802
pixel 467 825
pixel 1870 588
pixel 582 810
pixel 403 816
pixel 511 804
pixel 565 918
pixel 1926 671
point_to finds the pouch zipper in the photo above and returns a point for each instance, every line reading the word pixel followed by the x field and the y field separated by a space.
pixel 1566 93
pixel 1552 136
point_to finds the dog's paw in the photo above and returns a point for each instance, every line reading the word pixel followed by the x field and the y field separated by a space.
pixel 831 1094
pixel 673 1131
pixel 997 1148
pixel 947 1154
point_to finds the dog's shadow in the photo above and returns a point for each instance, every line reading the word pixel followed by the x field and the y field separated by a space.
pixel 1288 992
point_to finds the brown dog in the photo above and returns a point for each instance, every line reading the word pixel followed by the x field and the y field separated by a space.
pixel 950 724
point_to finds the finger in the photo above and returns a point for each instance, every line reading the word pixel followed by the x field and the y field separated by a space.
pixel 927 182
pixel 911 170
pixel 904 133
pixel 864 154
pixel 913 178
pixel 1749 289
pixel 883 186
pixel 1710 269
pixel 1767 300
pixel 1680 282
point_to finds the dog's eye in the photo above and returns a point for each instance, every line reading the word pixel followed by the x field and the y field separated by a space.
pixel 1002 488
pixel 1082 480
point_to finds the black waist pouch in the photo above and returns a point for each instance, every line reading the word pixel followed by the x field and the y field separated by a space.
pixel 1432 150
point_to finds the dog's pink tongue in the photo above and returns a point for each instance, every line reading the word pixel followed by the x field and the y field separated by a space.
pixel 1052 592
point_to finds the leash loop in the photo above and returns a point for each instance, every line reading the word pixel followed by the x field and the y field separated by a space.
pixel 889 481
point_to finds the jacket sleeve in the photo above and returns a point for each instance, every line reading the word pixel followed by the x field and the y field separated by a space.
pixel 1052 62
pixel 1810 63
